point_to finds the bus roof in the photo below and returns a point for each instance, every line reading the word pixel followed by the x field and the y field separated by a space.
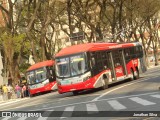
pixel 41 64
pixel 91 47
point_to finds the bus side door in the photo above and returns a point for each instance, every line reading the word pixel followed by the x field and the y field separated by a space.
pixel 118 63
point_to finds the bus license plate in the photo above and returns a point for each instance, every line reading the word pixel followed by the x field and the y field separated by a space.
pixel 65 82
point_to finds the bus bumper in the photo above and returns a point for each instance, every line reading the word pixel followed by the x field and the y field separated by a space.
pixel 76 87
pixel 45 88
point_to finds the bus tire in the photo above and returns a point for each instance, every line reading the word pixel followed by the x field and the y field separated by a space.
pixel 75 92
pixel 132 74
pixel 137 74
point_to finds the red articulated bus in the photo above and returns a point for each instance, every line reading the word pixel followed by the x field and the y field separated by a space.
pixel 94 65
pixel 41 77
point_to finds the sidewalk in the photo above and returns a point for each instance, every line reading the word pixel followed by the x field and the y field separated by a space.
pixel 14 99
pixel 1 98
pixel 152 65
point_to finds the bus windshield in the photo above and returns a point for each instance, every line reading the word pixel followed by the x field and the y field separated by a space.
pixel 71 65
pixel 36 76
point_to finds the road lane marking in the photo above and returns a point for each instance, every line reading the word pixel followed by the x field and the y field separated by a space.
pixel 103 95
pixel 141 101
pixel 67 112
pixel 73 97
pixel 49 103
pixel 156 96
pixel 92 108
pixel 116 105
pixel 95 99
pixel 44 105
pixel 6 118
pixel 13 101
pixel 22 118
pixel 45 114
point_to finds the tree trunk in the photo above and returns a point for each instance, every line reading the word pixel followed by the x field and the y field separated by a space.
pixel 69 8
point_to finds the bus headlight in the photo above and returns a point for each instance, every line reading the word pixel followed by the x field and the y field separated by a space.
pixel 45 82
pixel 86 78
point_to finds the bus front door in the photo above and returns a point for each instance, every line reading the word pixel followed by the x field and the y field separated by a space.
pixel 113 71
pixel 118 64
pixel 123 62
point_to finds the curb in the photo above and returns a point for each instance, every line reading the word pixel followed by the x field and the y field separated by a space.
pixel 12 101
pixel 153 66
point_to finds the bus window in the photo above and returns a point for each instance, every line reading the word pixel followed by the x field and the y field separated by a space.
pixel 109 63
pixel 63 64
pixel 93 61
pixel 105 60
pixel 51 74
pixel 92 58
pixel 127 54
pixel 140 53
pixel 132 52
pixel 99 61
pixel 116 58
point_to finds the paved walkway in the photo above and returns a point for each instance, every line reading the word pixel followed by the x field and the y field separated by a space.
pixel 13 100
pixel 1 97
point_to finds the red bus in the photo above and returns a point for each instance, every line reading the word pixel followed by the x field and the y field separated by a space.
pixel 94 65
pixel 41 77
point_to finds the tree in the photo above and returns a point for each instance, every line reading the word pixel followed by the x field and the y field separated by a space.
pixel 12 42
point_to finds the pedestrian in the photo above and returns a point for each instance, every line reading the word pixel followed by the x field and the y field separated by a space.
pixel 10 91
pixel 18 91
pixel 28 91
pixel 5 92
pixel 1 90
pixel 24 91
pixel 1 97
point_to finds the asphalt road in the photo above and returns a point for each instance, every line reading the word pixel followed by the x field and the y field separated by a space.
pixel 118 100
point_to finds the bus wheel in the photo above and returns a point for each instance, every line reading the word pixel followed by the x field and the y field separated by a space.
pixel 75 92
pixel 137 74
pixel 132 75
pixel 105 85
